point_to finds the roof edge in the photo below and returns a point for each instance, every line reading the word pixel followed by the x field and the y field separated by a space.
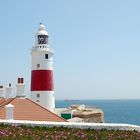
pixel 46 109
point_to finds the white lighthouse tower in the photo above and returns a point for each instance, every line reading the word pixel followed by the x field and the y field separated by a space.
pixel 42 89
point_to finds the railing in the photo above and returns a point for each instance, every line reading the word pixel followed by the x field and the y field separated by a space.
pixel 47 49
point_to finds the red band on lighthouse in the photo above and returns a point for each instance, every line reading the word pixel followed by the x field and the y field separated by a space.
pixel 42 80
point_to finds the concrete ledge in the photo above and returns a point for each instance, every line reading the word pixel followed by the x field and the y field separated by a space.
pixel 99 126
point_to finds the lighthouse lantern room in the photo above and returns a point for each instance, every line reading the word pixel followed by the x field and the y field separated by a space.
pixel 42 88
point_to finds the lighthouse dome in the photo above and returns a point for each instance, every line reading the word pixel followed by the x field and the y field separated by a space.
pixel 42 30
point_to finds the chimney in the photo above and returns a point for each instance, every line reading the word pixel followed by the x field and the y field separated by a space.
pixel 20 88
pixel 8 91
pixel 22 80
pixel 9 112
pixel 1 91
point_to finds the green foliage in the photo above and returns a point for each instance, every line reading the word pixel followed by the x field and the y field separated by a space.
pixel 24 132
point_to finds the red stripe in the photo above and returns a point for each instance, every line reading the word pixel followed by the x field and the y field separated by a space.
pixel 42 80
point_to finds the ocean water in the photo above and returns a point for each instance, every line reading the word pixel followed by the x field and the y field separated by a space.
pixel 115 111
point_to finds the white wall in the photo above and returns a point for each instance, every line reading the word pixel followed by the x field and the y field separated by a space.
pixel 46 99
pixel 99 126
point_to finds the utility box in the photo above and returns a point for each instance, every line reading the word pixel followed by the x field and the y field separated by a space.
pixel 67 114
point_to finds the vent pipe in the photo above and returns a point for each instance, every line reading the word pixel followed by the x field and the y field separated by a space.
pixel 8 93
pixel 9 112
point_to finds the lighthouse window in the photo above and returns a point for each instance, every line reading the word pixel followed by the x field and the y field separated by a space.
pixel 46 56
pixel 38 65
pixel 42 39
pixel 38 95
pixel 37 101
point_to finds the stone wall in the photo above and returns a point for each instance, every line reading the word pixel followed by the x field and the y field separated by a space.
pixel 92 118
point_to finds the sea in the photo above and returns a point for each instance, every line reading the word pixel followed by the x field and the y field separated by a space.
pixel 115 111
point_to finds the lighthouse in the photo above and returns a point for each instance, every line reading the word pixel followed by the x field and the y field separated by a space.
pixel 42 88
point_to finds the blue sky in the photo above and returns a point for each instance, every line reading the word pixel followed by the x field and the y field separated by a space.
pixel 96 45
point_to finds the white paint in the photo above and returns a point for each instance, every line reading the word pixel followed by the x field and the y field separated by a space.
pixel 8 92
pixel 76 119
pixel 39 62
pixel 59 110
pixel 46 99
pixel 41 31
pixel 38 57
pixel 2 92
pixel 99 126
pixel 20 90
pixel 68 111
pixel 9 112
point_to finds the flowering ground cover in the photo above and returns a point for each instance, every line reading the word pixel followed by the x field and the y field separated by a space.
pixel 10 132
